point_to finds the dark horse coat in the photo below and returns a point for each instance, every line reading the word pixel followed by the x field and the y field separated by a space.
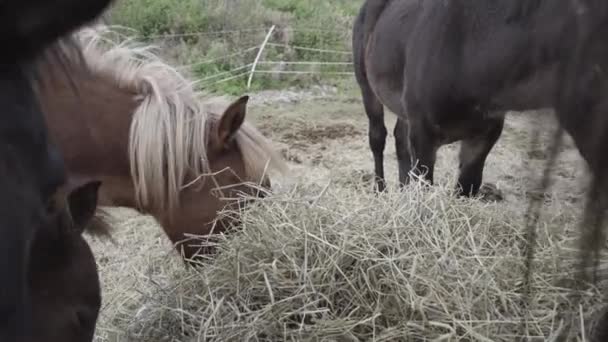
pixel 450 70
pixel 31 169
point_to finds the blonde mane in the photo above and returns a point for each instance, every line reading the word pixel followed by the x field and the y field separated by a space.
pixel 169 131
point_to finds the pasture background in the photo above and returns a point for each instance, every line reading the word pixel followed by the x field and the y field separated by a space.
pixel 315 117
pixel 216 39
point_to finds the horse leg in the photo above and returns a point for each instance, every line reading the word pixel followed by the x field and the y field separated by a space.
pixel 416 150
pixel 473 154
pixel 377 132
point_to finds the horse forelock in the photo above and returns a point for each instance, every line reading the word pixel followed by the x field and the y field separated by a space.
pixel 169 131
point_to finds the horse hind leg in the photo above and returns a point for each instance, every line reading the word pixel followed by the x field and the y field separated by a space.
pixel 416 147
pixel 473 154
pixel 377 133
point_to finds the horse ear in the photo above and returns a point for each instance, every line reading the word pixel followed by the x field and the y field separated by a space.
pixel 82 201
pixel 231 120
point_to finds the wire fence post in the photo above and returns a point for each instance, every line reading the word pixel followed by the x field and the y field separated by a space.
pixel 257 58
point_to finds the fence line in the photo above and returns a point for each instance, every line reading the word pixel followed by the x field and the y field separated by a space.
pixel 225 72
pixel 219 58
pixel 242 52
pixel 251 69
pixel 207 84
pixel 304 63
pixel 224 79
pixel 297 29
pixel 261 29
pixel 232 77
pixel 304 72
pixel 294 72
pixel 204 33
pixel 296 47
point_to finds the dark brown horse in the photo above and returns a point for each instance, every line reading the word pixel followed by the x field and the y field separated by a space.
pixel 63 279
pixel 150 139
pixel 450 70
pixel 31 169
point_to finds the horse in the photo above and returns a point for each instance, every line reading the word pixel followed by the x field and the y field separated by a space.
pixel 31 169
pixel 156 146
pixel 63 278
pixel 450 70
pixel 582 108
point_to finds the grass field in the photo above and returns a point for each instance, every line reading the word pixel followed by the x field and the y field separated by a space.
pixel 326 259
pixel 192 32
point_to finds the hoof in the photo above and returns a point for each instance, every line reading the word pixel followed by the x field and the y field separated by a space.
pixel 379 184
pixel 490 193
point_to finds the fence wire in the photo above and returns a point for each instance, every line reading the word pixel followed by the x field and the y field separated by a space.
pixel 326 57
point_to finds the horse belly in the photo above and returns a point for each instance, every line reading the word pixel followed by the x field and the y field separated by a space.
pixel 532 93
pixel 473 125
pixel 389 93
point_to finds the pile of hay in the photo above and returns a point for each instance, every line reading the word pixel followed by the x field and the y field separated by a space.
pixel 341 264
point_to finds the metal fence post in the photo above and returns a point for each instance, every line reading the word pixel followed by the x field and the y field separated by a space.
pixel 257 58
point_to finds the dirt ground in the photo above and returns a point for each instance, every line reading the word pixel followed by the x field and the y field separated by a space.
pixel 325 139
pixel 323 134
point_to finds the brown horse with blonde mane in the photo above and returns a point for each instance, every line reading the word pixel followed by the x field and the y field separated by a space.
pixel 145 133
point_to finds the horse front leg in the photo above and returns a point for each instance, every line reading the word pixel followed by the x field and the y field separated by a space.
pixel 416 147
pixel 473 154
pixel 377 133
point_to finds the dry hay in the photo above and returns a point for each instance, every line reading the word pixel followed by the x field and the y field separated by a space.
pixel 340 264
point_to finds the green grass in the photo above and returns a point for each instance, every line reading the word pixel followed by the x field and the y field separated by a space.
pixel 317 24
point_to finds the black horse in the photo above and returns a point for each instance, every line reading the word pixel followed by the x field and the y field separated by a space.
pixel 450 70
pixel 64 286
pixel 31 170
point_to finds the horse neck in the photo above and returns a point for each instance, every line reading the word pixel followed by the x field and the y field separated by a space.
pixel 89 116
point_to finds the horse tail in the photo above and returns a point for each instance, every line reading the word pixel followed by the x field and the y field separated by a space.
pixel 363 27
pixel 372 11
